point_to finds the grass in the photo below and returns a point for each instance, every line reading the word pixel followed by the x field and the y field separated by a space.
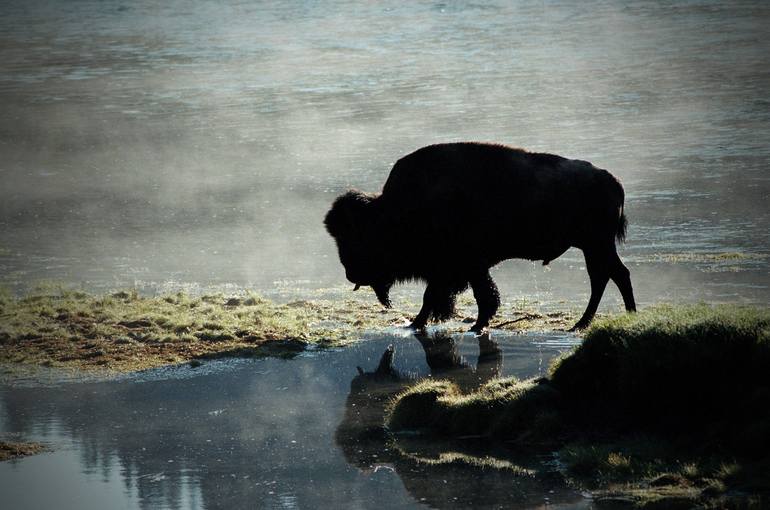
pixel 691 257
pixel 672 402
pixel 125 331
pixel 14 450
pixel 503 408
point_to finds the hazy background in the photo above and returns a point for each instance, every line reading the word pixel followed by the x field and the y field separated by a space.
pixel 199 144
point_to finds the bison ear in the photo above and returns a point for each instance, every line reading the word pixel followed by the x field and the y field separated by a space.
pixel 347 213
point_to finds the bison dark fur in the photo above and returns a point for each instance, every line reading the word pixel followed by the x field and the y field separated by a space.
pixel 501 203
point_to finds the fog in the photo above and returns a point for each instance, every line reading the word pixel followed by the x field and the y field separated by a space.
pixel 198 144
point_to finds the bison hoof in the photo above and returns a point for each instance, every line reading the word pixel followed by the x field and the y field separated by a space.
pixel 579 326
pixel 416 326
pixel 477 329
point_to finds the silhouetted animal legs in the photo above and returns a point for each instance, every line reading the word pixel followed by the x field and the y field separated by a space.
pixel 487 300
pixel 445 361
pixel 438 302
pixel 603 265
pixel 428 299
pixel 598 272
pixel 622 278
pixel 440 352
pixel 490 362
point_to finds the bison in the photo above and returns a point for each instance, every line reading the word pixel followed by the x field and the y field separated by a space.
pixel 450 212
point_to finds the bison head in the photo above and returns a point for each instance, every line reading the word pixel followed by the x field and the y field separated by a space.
pixel 352 223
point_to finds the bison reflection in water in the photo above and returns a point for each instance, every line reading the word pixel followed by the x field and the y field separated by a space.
pixel 445 475
pixel 450 212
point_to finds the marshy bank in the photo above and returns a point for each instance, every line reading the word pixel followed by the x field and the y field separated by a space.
pixel 125 331
pixel 668 405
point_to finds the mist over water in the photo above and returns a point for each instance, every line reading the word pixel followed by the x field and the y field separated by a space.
pixel 198 145
pixel 175 144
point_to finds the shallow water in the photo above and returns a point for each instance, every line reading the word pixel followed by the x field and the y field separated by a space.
pixel 270 433
pixel 198 145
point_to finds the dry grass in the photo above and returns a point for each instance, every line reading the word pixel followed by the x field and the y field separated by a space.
pixel 14 450
pixel 126 332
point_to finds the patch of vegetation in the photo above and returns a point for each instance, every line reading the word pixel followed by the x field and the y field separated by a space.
pixel 14 450
pixel 706 257
pixel 503 408
pixel 710 261
pixel 125 331
pixel 459 458
pixel 671 403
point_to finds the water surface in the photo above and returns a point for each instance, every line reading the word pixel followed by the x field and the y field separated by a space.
pixel 198 145
pixel 270 433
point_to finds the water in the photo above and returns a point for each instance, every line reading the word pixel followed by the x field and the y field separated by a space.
pixel 272 433
pixel 198 145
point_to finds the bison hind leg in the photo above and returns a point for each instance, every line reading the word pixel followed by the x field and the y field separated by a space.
pixel 603 263
pixel 487 300
pixel 620 274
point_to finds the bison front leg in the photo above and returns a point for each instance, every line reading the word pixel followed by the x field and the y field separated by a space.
pixel 438 302
pixel 428 300
pixel 487 300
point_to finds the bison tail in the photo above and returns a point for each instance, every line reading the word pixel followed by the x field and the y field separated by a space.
pixel 620 234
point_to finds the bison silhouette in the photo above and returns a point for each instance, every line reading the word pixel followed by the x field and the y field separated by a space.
pixel 450 212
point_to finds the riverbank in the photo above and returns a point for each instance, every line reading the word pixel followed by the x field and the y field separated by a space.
pixel 671 404
pixel 125 331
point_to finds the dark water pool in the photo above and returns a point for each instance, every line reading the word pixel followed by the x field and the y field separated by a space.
pixel 272 433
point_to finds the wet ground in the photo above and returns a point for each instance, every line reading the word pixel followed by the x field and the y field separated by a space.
pixel 273 433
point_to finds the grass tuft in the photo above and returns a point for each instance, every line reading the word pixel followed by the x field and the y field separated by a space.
pixel 15 450
pixel 126 331
pixel 672 402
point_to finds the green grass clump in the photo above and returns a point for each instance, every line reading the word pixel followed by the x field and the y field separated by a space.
pixel 675 368
pixel 672 402
pixel 661 369
pixel 501 407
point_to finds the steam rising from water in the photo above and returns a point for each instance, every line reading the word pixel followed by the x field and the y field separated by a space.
pixel 203 142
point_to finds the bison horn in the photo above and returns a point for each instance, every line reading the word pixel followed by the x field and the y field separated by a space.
pixel 358 286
